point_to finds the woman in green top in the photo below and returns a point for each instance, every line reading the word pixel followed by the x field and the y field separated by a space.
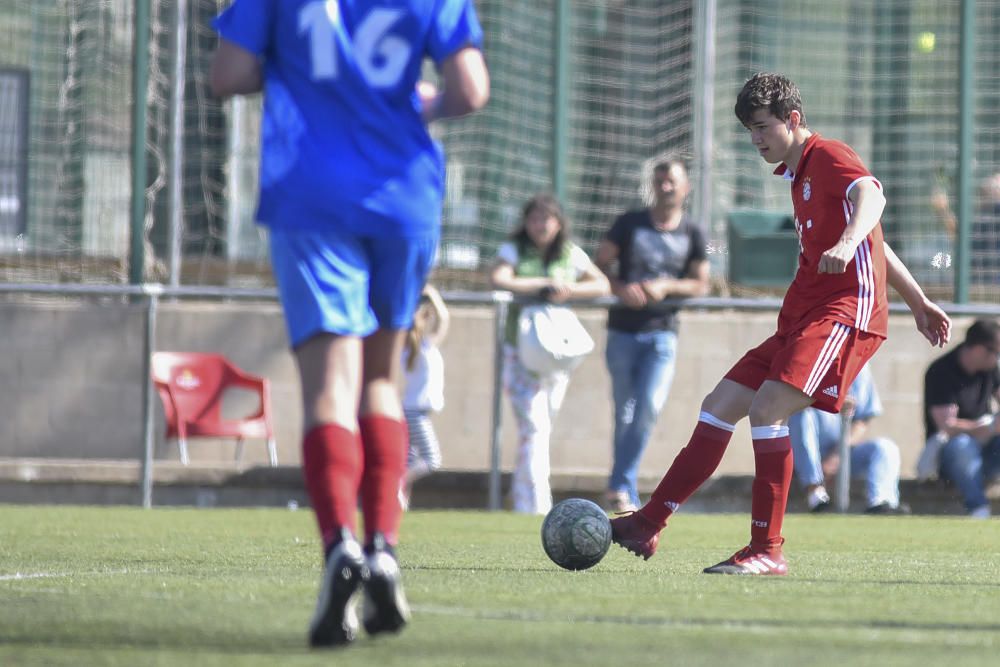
pixel 540 259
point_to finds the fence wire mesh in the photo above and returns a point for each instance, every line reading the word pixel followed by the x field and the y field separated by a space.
pixel 635 80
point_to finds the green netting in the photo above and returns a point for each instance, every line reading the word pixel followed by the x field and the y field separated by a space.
pixel 77 58
pixel 881 76
pixel 628 86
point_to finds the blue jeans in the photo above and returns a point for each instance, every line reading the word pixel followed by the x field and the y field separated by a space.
pixel 970 466
pixel 642 368
pixel 815 435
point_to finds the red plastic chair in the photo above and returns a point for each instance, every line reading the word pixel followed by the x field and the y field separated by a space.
pixel 191 386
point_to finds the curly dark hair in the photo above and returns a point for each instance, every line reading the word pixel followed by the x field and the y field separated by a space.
pixel 766 90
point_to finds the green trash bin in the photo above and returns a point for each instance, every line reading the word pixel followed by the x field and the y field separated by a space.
pixel 763 248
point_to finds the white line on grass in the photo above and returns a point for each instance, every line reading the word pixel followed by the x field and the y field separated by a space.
pixel 18 576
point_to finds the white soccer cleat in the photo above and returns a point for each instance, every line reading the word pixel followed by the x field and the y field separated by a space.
pixel 386 609
pixel 335 621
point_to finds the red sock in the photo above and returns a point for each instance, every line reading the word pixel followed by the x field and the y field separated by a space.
pixel 693 465
pixel 385 441
pixel 331 463
pixel 773 463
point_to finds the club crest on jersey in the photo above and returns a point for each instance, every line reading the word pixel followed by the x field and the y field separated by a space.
pixel 807 190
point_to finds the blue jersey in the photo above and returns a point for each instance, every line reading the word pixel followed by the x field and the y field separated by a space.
pixel 342 138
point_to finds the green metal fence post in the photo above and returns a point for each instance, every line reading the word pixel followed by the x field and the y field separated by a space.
pixel 704 112
pixel 966 126
pixel 75 59
pixel 140 81
pixel 560 112
pixel 152 295
pixel 501 305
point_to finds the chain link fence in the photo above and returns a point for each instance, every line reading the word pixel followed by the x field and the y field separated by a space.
pixel 584 92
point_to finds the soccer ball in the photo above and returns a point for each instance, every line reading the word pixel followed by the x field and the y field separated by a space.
pixel 576 534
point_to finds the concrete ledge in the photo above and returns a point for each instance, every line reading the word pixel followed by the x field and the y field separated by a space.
pixel 728 493
pixel 114 471
pixel 84 400
pixel 117 482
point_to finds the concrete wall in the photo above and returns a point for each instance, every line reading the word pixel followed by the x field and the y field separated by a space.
pixel 72 376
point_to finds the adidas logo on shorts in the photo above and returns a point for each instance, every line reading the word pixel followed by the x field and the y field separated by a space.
pixel 831 391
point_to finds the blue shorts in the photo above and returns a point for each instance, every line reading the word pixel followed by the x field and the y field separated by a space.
pixel 332 281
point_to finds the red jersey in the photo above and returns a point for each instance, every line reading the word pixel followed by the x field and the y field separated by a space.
pixel 827 172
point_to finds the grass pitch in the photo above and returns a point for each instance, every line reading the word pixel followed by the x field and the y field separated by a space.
pixel 121 586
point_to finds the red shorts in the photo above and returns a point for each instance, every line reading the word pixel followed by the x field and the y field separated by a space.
pixel 821 360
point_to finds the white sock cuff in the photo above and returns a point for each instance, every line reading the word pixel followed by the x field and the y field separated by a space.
pixel 712 420
pixel 768 432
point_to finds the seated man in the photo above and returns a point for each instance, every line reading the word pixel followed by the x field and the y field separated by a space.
pixel 815 437
pixel 960 393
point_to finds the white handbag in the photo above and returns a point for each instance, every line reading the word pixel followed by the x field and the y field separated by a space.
pixel 550 339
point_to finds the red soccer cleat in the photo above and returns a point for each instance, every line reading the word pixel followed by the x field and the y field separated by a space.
pixel 753 560
pixel 634 532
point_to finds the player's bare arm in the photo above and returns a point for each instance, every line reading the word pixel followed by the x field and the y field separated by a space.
pixel 466 89
pixel 694 284
pixel 869 202
pixel 932 322
pixel 234 71
pixel 630 294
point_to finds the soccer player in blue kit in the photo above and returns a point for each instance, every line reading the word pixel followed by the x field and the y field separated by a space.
pixel 351 185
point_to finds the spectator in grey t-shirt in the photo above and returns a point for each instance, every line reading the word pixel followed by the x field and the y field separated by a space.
pixel 648 255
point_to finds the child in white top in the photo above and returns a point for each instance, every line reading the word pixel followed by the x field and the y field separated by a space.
pixel 423 392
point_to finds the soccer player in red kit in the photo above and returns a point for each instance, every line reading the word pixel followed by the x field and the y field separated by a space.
pixel 833 319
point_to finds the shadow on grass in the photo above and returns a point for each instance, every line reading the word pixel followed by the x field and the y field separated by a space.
pixel 595 572
pixel 99 639
pixel 899 582
pixel 281 646
pixel 659 621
